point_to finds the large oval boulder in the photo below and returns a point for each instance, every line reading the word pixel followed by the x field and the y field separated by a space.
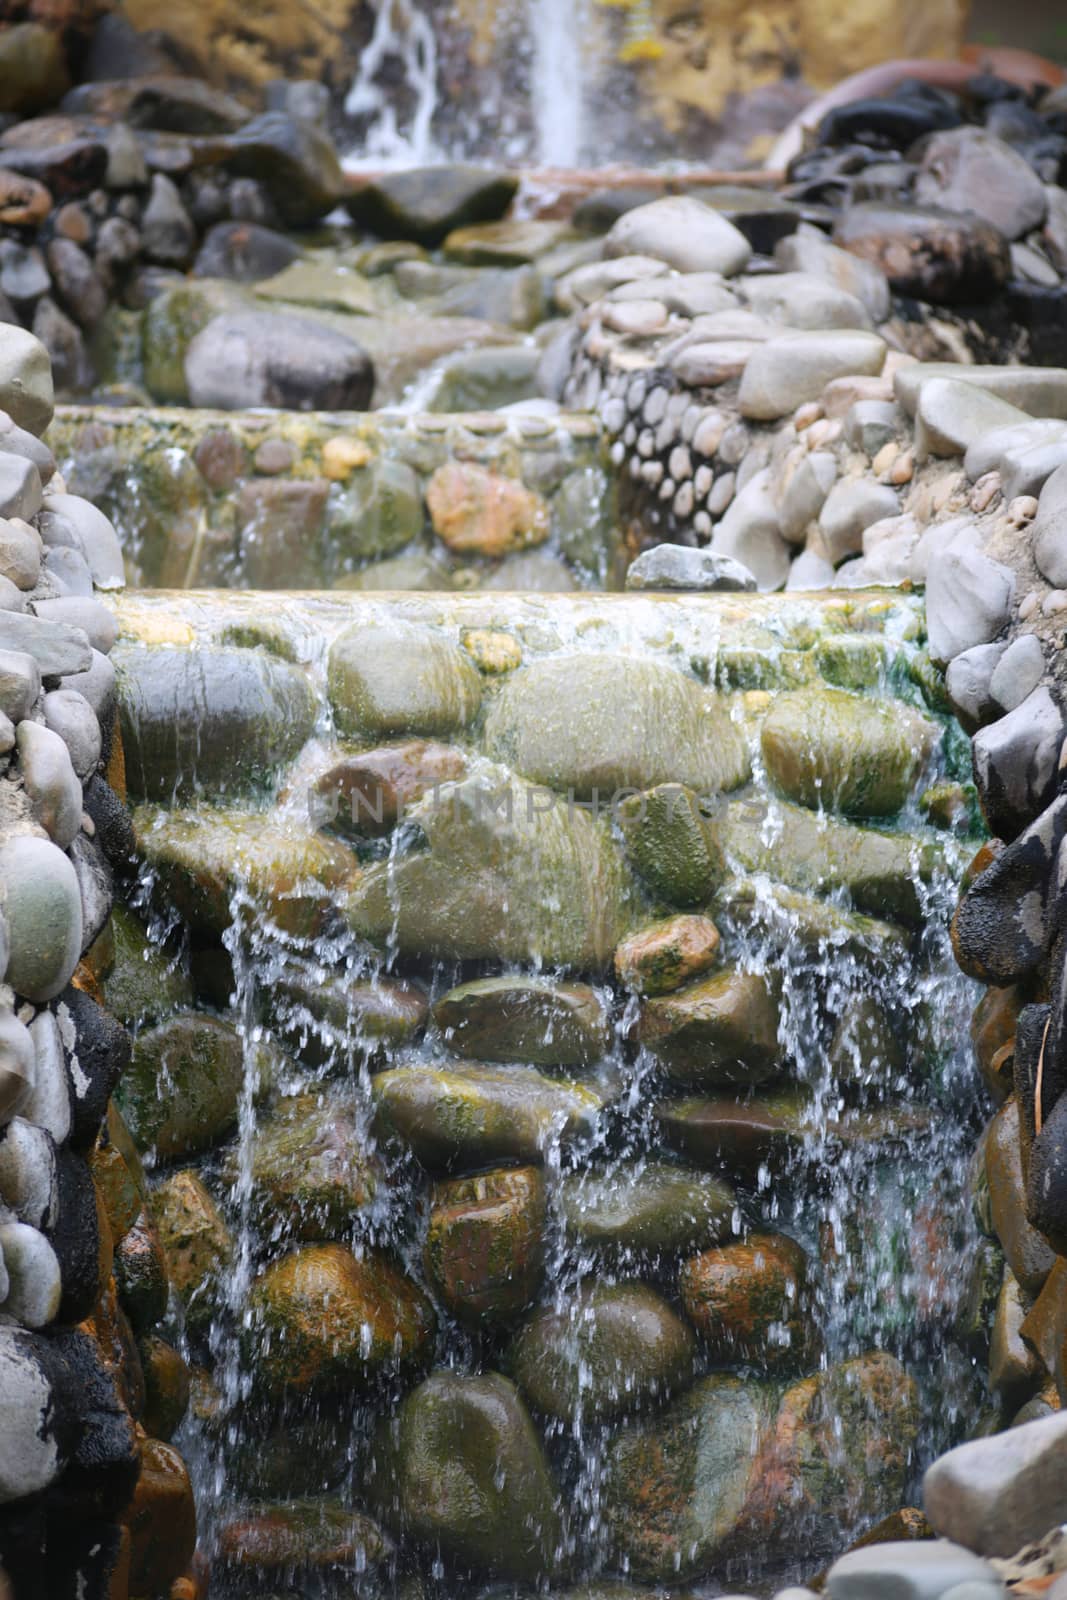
pixel 827 748
pixel 604 723
pixel 271 358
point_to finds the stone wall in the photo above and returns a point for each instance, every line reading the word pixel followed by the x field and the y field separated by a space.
pixel 94 1501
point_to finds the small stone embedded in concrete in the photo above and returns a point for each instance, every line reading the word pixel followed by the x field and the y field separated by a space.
pixel 17 1065
pixel 68 519
pixel 26 391
pixel 1015 762
pixel 41 902
pixel 750 534
pixel 20 683
pixel 850 507
pixel 953 414
pixel 968 683
pixel 20 486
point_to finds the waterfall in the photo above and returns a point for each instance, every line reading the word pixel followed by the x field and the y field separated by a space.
pixel 557 28
pixel 403 33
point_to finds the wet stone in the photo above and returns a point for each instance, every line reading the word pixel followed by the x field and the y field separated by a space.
pixel 369 793
pixel 327 1320
pixel 198 1244
pixel 749 1302
pixel 426 204
pixel 825 747
pixel 662 956
pixel 611 1350
pixel 737 1136
pixel 530 1020
pixel 387 680
pixel 719 1030
pixel 643 1210
pixel 465 1474
pixel 180 1093
pixel 465 1114
pixel 484 1250
pixel 312 1171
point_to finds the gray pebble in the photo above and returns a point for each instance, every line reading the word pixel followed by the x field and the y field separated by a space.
pixel 50 781
pixel 70 715
pixel 92 616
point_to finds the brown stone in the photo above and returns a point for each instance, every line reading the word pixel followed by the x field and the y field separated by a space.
pixel 993 1038
pixel 166 1383
pixel 118 1174
pixel 221 458
pixel 1045 1326
pixel 196 1240
pixel 161 1518
pixel 373 788
pixel 1014 1370
pixel 485 1243
pixel 935 255
pixel 24 203
pixel 740 1136
pixel 305 1535
pixel 279 523
pixel 478 512
pixel 749 1302
pixel 274 457
pixel 323 1319
pixel 719 1030
pixel 1028 1255
pixel 664 955
pixel 113 1337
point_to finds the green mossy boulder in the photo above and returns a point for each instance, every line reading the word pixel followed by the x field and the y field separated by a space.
pixel 464 1114
pixel 843 752
pixel 488 875
pixel 388 680
pixel 179 1095
pixel 144 985
pixel 312 1172
pixel 645 1209
pixel 672 846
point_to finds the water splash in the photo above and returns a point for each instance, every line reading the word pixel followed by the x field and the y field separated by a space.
pixel 404 45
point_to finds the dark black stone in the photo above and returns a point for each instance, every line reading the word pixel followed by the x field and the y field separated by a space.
pixel 243 252
pixel 85 1560
pixel 598 211
pixel 1028 1064
pixel 986 89
pixel 103 1050
pixel 1013 121
pixel 426 203
pixel 114 827
pixel 1007 919
pixel 74 167
pixel 294 161
pixel 105 1465
pixel 893 124
pixel 75 1237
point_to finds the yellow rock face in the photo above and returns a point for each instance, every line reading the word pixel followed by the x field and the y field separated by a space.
pixel 704 50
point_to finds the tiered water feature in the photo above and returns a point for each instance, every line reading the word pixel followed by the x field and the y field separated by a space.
pixel 554 1078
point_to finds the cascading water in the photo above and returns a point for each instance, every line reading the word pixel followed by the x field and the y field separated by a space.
pixel 565 1227
pixel 403 38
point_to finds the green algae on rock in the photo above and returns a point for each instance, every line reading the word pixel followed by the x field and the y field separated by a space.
pixel 883 873
pixel 532 1020
pixel 387 681
pixel 670 843
pixel 610 1350
pixel 464 1113
pixel 325 1320
pixel 484 1250
pixel 463 1471
pixel 494 873
pixel 311 1170
pixel 143 985
pixel 826 747
pixel 604 723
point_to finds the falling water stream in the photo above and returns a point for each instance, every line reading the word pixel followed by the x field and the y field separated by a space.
pixel 870 1181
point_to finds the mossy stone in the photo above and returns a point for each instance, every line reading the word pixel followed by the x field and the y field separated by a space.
pixel 388 680
pixel 645 1209
pixel 530 1020
pixel 180 1092
pixel 719 1030
pixel 377 513
pixel 197 1243
pixel 845 752
pixel 312 1171
pixel 322 1321
pixel 671 845
pixel 485 1243
pixel 489 875
pixel 143 985
pixel 749 1301
pixel 465 1114
pixel 603 723
pixel 463 1472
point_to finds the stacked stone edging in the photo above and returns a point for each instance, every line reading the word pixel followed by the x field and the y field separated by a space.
pixel 93 1500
